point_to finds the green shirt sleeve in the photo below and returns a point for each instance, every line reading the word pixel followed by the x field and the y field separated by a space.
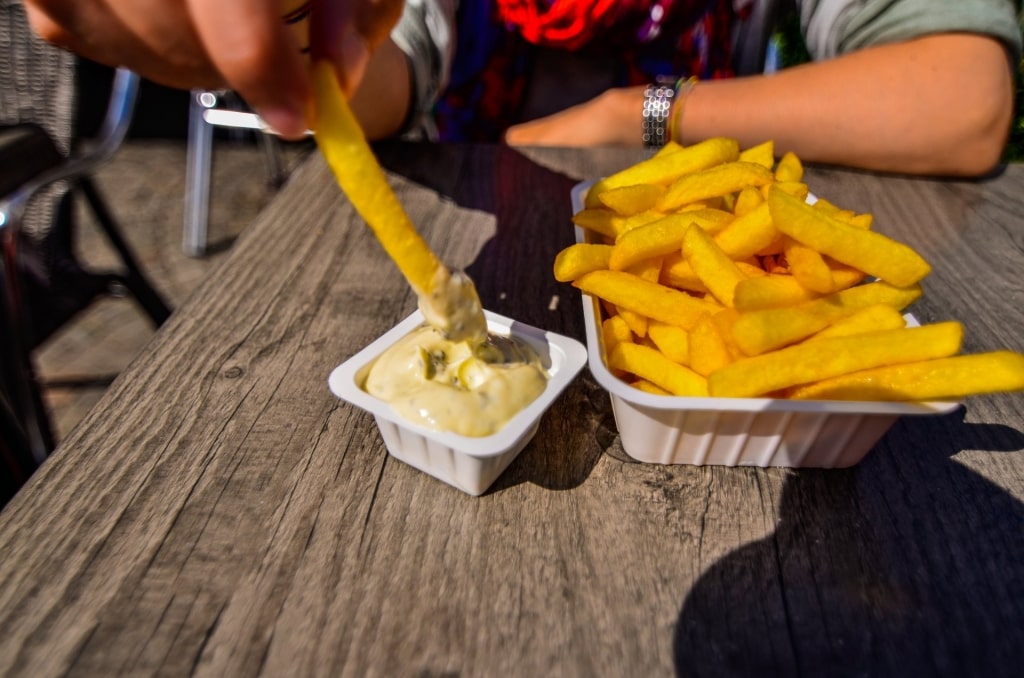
pixel 833 27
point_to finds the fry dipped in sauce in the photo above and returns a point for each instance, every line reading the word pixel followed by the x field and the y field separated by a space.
pixel 450 374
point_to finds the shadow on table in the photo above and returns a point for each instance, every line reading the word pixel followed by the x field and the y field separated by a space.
pixel 899 567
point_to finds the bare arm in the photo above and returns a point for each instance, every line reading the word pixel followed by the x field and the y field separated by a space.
pixel 382 101
pixel 939 105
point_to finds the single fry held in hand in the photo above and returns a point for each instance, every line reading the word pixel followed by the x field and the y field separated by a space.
pixel 717 277
pixel 448 301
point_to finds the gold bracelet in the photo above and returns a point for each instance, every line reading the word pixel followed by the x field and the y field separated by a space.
pixel 683 88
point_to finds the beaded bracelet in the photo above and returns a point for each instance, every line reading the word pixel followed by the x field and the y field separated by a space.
pixel 659 119
pixel 656 114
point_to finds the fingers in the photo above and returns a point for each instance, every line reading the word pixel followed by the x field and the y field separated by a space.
pixel 346 33
pixel 252 48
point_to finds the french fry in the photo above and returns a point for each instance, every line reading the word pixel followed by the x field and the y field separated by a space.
pixel 660 237
pixel 609 224
pixel 789 168
pixel 770 291
pixel 664 168
pixel 637 322
pixel 629 200
pixel 869 251
pixel 940 379
pixel 708 350
pixel 845 302
pixel 713 266
pixel 714 182
pixel 676 272
pixel 579 259
pixel 649 364
pixel 867 319
pixel 614 331
pixel 757 332
pixel 763 154
pixel 340 138
pixel 747 235
pixel 648 387
pixel 672 341
pixel 746 200
pixel 651 299
pixel 808 267
pixel 827 358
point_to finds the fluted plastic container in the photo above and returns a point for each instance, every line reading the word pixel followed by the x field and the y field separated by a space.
pixel 470 464
pixel 739 431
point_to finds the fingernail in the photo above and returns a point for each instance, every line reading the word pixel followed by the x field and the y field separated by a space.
pixel 285 121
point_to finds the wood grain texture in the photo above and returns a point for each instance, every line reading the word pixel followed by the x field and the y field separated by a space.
pixel 220 513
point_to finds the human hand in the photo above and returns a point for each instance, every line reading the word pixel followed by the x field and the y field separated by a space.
pixel 611 118
pixel 240 44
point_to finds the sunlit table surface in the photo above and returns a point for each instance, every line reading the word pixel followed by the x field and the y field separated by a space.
pixel 221 513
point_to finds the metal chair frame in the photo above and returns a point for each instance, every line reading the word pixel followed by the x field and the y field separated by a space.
pixel 16 343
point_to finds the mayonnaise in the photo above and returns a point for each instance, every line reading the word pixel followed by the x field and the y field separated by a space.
pixel 453 306
pixel 467 387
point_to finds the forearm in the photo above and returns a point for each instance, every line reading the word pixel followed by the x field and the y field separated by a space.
pixel 382 101
pixel 936 105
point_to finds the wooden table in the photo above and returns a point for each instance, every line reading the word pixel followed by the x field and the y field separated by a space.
pixel 220 513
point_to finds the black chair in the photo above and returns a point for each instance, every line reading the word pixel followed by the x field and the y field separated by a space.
pixel 43 172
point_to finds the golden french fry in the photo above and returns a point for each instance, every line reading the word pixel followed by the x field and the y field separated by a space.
pixel 661 237
pixel 599 220
pixel 827 358
pixel 939 379
pixel 677 272
pixel 648 387
pixel 757 332
pixel 869 251
pixel 763 154
pixel 808 267
pixel 725 320
pixel 637 322
pixel 609 224
pixel 651 299
pixel 714 182
pixel 580 258
pixel 845 302
pixel 672 341
pixel 844 276
pixel 669 147
pixel 708 350
pixel 664 168
pixel 746 201
pixel 614 331
pixel 648 269
pixel 868 319
pixel 794 188
pixel 747 235
pixel 770 291
pixel 789 169
pixel 343 145
pixel 647 363
pixel 713 266
pixel 629 200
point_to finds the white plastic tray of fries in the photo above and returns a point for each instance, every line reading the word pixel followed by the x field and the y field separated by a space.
pixel 657 426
